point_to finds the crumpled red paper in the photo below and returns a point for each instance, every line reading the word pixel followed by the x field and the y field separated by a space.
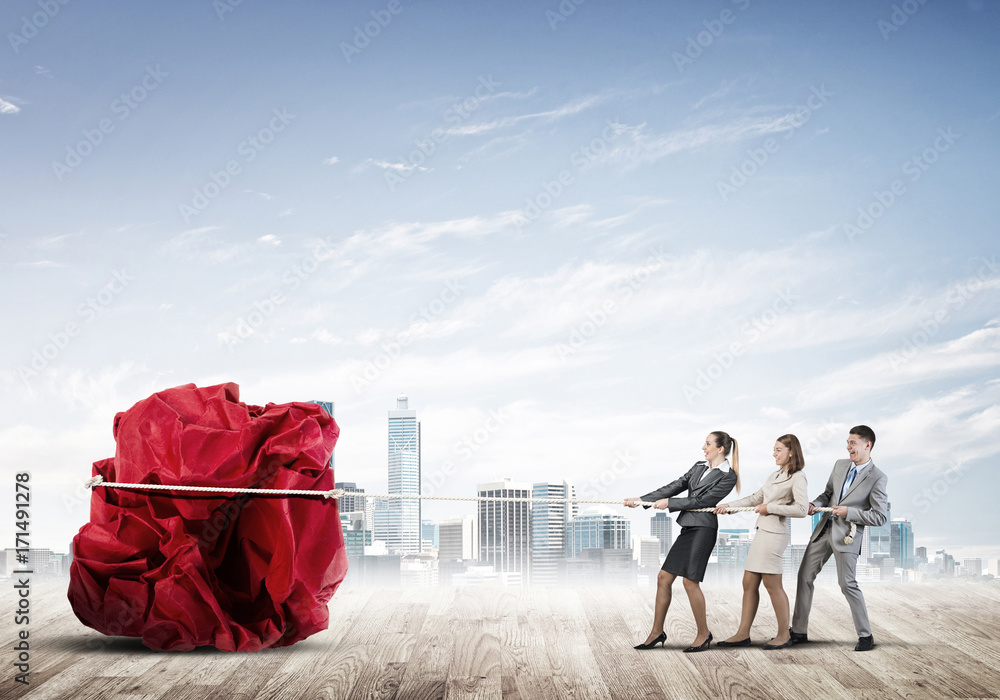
pixel 183 570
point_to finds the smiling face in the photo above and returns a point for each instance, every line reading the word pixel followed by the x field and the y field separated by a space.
pixel 713 453
pixel 858 449
pixel 782 455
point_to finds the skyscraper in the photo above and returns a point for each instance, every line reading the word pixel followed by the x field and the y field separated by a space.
pixel 880 538
pixel 404 477
pixel 504 527
pixel 901 543
pixel 459 539
pixel 548 530
pixel 660 527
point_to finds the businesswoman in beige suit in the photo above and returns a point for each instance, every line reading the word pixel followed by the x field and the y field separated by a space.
pixel 783 496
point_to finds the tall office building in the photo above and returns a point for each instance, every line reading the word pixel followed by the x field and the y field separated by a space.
pixel 351 502
pixel 548 530
pixel 429 532
pixel 458 539
pixel 660 527
pixel 598 532
pixel 880 538
pixel 901 543
pixel 647 551
pixel 972 567
pixel 504 527
pixel 404 477
pixel 328 407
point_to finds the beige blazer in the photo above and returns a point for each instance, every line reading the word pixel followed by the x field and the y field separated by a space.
pixel 786 497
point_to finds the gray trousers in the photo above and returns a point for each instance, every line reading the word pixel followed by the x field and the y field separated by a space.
pixel 816 555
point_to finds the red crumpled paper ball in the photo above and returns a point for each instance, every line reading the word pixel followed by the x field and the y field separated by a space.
pixel 239 572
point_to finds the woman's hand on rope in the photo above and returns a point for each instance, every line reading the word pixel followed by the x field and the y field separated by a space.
pixel 632 502
pixel 721 509
pixel 662 504
pixel 812 509
pixel 762 509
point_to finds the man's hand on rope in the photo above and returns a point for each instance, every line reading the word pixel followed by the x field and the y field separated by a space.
pixel 840 511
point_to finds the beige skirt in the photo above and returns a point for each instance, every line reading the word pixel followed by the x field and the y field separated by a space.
pixel 766 552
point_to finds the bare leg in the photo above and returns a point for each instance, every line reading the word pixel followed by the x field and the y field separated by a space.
pixel 751 599
pixel 697 599
pixel 772 582
pixel 664 580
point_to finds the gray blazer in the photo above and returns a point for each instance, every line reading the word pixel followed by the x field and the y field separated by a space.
pixel 702 493
pixel 866 501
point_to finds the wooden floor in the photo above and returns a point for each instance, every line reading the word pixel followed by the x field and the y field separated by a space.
pixel 492 642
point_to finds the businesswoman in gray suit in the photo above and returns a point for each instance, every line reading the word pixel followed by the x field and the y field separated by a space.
pixel 784 495
pixel 707 483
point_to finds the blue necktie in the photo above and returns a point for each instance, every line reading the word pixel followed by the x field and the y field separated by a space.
pixel 849 480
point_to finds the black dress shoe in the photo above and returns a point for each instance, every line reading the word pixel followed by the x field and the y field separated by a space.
pixel 865 643
pixel 797 638
pixel 659 640
pixel 701 647
pixel 770 646
pixel 741 643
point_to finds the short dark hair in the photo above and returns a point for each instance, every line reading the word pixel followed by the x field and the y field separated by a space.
pixel 865 433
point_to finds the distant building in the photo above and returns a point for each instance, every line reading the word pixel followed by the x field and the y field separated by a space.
pixel 548 536
pixel 598 532
pixel 973 567
pixel 919 557
pixel 660 527
pixel 504 528
pixel 356 537
pixel 328 407
pixel 458 539
pixel 429 532
pixel 647 552
pixel 901 543
pixel 40 562
pixel 404 478
pixel 350 502
pixel 880 538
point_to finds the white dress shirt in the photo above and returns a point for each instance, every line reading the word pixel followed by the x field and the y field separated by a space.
pixel 724 467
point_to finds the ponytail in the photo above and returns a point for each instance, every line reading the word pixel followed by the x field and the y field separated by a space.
pixel 735 463
pixel 729 445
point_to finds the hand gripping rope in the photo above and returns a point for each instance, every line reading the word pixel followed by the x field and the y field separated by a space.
pixel 337 493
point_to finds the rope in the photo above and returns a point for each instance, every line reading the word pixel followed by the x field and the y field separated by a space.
pixel 337 493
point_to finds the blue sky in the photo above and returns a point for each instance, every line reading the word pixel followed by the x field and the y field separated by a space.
pixel 616 228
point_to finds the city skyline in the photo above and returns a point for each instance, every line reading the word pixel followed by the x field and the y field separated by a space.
pixel 583 240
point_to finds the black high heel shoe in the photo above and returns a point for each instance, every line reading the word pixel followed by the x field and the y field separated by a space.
pixel 741 643
pixel 701 647
pixel 659 640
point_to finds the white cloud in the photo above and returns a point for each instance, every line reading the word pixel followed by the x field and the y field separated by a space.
pixel 8 107
pixel 269 239
pixel 332 160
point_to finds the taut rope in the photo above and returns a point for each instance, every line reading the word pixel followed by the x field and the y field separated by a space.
pixel 337 493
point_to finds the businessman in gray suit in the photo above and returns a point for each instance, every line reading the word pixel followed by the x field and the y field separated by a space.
pixel 857 492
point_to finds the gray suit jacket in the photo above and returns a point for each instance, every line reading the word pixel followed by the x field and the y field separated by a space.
pixel 702 493
pixel 866 501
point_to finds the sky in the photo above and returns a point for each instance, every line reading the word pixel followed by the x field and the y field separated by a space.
pixel 578 235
